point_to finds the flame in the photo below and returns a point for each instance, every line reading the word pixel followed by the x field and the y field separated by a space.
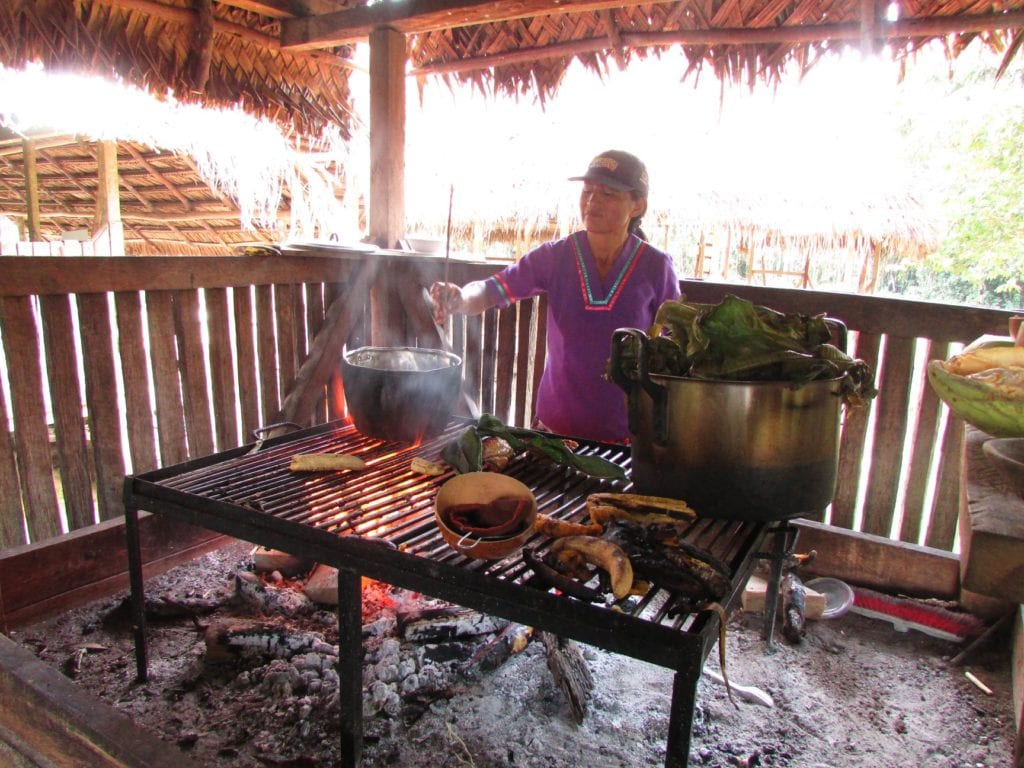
pixel 339 409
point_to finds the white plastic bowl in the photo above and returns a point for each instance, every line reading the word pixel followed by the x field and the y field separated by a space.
pixel 838 595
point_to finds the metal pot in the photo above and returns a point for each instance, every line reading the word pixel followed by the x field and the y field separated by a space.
pixel 731 449
pixel 401 393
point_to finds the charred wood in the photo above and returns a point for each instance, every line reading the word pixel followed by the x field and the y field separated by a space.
pixel 794 599
pixel 433 625
pixel 570 671
pixel 231 639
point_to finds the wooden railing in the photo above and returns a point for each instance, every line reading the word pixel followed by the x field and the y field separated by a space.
pixel 174 358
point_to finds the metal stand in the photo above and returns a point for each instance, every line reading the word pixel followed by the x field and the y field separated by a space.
pixel 783 546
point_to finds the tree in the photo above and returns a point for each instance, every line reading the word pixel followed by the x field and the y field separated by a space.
pixel 968 141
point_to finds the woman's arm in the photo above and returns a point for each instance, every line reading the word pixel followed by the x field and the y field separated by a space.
pixel 449 299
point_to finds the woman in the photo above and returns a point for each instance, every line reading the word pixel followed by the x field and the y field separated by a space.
pixel 597 280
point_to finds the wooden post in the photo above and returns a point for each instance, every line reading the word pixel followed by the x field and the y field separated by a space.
pixel 108 199
pixel 387 136
pixel 387 167
pixel 726 253
pixel 31 190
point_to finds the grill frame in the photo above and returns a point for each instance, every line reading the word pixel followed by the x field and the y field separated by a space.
pixel 252 495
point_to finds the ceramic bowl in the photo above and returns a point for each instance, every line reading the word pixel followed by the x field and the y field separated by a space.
pixel 1007 455
pixel 483 488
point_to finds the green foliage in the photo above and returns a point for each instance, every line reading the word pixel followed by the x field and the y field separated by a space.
pixel 973 152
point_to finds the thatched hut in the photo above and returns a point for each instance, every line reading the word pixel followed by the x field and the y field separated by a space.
pixel 294 67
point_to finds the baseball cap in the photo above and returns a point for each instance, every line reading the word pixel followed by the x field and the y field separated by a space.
pixel 618 170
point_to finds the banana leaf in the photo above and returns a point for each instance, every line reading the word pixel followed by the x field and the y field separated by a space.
pixel 737 340
pixel 465 453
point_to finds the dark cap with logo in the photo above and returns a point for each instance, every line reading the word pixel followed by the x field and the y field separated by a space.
pixel 619 170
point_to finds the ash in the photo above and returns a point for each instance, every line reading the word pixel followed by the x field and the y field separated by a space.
pixel 243 675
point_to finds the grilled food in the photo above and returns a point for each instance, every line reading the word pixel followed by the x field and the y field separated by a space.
pixel 604 554
pixel 556 528
pixel 604 507
pixel 659 553
pixel 325 462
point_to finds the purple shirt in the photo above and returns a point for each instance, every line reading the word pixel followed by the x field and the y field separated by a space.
pixel 583 311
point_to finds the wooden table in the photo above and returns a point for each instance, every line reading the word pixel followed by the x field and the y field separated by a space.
pixel 992 552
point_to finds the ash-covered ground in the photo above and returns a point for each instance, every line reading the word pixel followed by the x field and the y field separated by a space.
pixel 854 693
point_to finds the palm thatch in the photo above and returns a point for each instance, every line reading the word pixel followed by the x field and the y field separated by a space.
pixel 736 42
pixel 292 61
pixel 191 180
pixel 226 57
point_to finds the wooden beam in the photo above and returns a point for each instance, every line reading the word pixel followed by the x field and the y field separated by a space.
pixel 879 563
pixel 201 54
pixel 44 275
pixel 41 580
pixel 52 721
pixel 31 191
pixel 908 28
pixel 284 9
pixel 421 16
pixel 138 217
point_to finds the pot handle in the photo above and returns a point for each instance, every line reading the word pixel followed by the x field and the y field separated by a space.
pixel 839 332
pixel 657 392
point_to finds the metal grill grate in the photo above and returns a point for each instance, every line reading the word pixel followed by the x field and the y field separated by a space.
pixel 391 503
pixel 379 522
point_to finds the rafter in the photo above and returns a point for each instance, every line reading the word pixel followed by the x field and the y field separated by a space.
pixel 944 25
pixel 421 16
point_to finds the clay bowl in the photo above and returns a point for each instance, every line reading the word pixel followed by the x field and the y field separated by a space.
pixel 1007 455
pixel 483 489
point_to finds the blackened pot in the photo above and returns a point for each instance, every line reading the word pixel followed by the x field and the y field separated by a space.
pixel 401 393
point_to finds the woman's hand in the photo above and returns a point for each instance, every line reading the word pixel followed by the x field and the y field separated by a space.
pixel 447 300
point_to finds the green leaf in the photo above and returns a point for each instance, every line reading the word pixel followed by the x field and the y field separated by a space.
pixel 549 446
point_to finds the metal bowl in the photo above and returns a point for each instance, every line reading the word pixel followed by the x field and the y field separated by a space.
pixel 401 393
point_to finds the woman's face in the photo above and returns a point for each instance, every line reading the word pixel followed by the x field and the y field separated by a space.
pixel 608 211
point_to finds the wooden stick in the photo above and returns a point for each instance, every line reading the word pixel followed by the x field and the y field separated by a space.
pixel 978 683
pixel 448 233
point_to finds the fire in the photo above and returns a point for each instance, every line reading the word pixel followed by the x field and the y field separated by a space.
pixel 338 407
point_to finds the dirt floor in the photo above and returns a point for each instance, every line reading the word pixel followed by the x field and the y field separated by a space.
pixel 854 693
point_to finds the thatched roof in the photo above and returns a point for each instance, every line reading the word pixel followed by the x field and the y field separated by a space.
pixel 191 180
pixel 228 57
pixel 289 59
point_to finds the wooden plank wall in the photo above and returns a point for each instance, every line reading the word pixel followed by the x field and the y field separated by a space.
pixel 124 364
pixel 904 441
pixel 120 364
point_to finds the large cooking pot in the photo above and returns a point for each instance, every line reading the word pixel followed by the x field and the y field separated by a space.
pixel 731 449
pixel 401 393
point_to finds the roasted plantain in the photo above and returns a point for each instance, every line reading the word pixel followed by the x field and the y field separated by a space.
pixel 659 554
pixel 557 528
pixel 604 507
pixel 604 554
